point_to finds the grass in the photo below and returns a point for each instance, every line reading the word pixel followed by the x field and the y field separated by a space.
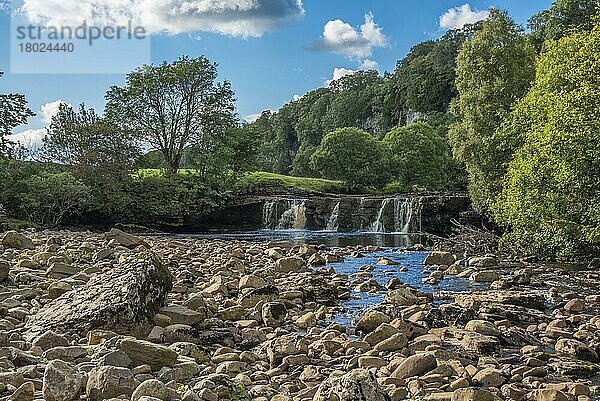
pixel 254 181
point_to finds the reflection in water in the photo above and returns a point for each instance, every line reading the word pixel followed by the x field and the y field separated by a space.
pixel 332 239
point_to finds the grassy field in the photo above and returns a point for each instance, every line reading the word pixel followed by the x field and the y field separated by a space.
pixel 253 181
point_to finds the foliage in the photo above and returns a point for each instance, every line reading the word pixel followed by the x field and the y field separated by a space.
pixel 49 198
pixel 173 106
pixel 352 156
pixel 494 70
pixel 552 190
pixel 562 19
pixel 13 112
pixel 259 181
pixel 420 158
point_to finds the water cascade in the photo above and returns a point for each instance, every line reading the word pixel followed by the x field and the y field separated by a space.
pixel 403 213
pixel 269 215
pixel 378 226
pixel 294 217
pixel 332 223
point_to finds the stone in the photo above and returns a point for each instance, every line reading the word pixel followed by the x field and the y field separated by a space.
pixel 290 265
pixel 577 349
pixel 251 281
pixel 395 343
pixel 401 297
pixel 384 331
pixel 371 320
pixel 483 345
pixel 283 346
pixel 125 239
pixel 62 381
pixel 60 270
pixel 151 388
pixel 16 240
pixel 486 276
pixel 548 395
pixel 181 315
pixel 107 382
pixel 4 270
pixel 489 377
pixel 575 306
pixel 472 394
pixel 386 262
pixel 273 313
pixel 415 365
pixel 371 362
pixel 25 392
pixel 356 385
pixel 483 262
pixel 146 353
pixel 123 299
pixel 439 258
pixel 49 340
pixel 307 320
pixel 516 298
pixel 482 327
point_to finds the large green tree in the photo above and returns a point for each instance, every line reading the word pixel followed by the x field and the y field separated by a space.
pixel 13 112
pixel 551 196
pixel 173 106
pixel 494 70
pixel 420 157
pixel 563 18
pixel 353 156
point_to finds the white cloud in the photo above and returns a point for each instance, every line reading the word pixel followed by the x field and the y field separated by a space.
pixel 339 73
pixel 246 18
pixel 340 37
pixel 29 139
pixel 253 117
pixel 32 138
pixel 369 65
pixel 297 97
pixel 49 110
pixel 456 18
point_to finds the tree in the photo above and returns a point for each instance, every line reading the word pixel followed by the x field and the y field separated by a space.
pixel 562 19
pixel 352 156
pixel 50 198
pixel 13 112
pixel 95 149
pixel 551 195
pixel 419 157
pixel 175 106
pixel 494 70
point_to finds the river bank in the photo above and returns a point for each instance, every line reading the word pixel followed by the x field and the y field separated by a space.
pixel 114 316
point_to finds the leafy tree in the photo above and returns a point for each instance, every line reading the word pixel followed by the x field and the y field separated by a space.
pixel 50 198
pixel 552 190
pixel 95 149
pixel 352 156
pixel 494 70
pixel 13 112
pixel 175 106
pixel 419 157
pixel 244 145
pixel 562 19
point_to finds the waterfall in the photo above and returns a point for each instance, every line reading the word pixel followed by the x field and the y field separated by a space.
pixel 332 223
pixel 294 217
pixel 403 213
pixel 378 226
pixel 269 216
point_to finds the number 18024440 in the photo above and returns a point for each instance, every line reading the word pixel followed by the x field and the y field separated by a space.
pixel 47 47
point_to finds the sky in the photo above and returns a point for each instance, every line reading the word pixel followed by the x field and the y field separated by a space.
pixel 270 50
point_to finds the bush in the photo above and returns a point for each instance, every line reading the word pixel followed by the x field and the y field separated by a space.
pixel 352 156
pixel 50 198
pixel 551 192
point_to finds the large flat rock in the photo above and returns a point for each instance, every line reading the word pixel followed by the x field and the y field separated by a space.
pixel 123 298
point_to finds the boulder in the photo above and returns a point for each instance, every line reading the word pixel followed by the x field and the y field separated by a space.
pixel 151 388
pixel 401 297
pixel 290 265
pixel 15 240
pixel 146 353
pixel 62 381
pixel 473 394
pixel 483 262
pixel 123 299
pixel 181 315
pixel 482 327
pixel 415 365
pixel 4 270
pixel 107 382
pixel 371 320
pixel 486 276
pixel 576 349
pixel 439 258
pixel 356 385
pixel 125 239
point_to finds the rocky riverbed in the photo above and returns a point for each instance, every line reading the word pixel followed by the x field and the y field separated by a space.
pixel 114 316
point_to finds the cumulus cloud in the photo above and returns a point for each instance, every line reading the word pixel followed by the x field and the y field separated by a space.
pixel 339 73
pixel 33 138
pixel 253 117
pixel 342 38
pixel 369 65
pixel 246 18
pixel 456 18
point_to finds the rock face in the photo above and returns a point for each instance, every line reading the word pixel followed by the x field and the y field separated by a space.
pixel 356 385
pixel 123 299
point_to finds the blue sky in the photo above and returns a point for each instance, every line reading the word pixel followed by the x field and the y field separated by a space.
pixel 268 57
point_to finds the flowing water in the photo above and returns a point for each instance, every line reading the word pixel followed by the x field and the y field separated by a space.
pixel 332 223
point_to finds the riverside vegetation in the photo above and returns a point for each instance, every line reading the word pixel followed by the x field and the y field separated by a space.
pixel 107 315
